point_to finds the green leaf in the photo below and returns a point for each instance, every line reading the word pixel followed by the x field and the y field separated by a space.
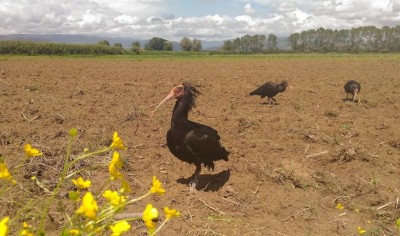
pixel 73 195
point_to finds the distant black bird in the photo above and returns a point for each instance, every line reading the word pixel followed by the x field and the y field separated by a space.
pixel 189 141
pixel 352 87
pixel 270 89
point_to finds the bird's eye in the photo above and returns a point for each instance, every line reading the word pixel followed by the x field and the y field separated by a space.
pixel 178 89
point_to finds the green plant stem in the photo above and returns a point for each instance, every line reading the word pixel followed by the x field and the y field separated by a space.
pixel 159 227
pixel 89 154
pixel 107 213
pixel 56 189
pixel 138 199
pixel 105 225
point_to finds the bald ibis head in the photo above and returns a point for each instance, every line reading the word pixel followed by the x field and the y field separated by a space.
pixel 183 91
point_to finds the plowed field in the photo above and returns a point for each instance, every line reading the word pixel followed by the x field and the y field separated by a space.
pixel 290 166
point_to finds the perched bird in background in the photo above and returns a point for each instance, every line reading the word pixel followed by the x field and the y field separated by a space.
pixel 270 90
pixel 352 87
pixel 189 141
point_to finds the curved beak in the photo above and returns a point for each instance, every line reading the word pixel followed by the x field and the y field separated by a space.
pixel 290 86
pixel 355 94
pixel 168 97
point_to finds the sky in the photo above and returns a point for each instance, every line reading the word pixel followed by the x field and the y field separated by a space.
pixel 201 19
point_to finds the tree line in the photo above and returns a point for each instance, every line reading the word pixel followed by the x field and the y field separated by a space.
pixel 103 47
pixel 160 44
pixel 360 39
pixel 44 48
pixel 252 44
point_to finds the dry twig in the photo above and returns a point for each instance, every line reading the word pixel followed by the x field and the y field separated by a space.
pixel 383 206
pixel 128 215
pixel 317 154
pixel 211 207
pixel 29 120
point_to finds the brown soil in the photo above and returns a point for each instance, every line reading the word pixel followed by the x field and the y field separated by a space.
pixel 290 163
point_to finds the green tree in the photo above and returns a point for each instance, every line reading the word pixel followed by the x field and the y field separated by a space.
pixel 237 45
pixel 118 48
pixel 228 46
pixel 294 40
pixel 196 45
pixel 135 47
pixel 272 42
pixel 168 46
pixel 156 44
pixel 104 43
pixel 245 43
pixel 186 44
pixel 257 43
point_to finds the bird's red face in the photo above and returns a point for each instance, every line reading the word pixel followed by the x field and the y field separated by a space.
pixel 176 92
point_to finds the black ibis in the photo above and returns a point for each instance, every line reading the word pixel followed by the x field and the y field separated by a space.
pixel 270 90
pixel 352 87
pixel 189 141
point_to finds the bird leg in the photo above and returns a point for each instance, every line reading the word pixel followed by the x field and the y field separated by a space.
pixel 195 180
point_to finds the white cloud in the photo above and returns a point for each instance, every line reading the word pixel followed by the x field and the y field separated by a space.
pixel 156 18
pixel 215 18
pixel 126 19
pixel 140 8
pixel 90 19
pixel 248 9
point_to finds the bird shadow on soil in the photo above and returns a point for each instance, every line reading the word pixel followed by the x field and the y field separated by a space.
pixel 349 100
pixel 209 182
pixel 271 104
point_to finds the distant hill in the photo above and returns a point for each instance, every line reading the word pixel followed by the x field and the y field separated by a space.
pixel 125 41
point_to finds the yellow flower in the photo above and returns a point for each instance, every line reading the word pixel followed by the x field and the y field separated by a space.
pixel 120 227
pixel 31 152
pixel 4 173
pixel 115 164
pixel 3 226
pixel 25 230
pixel 170 213
pixel 113 197
pixel 149 215
pixel 74 232
pixel 361 231
pixel 157 188
pixel 81 184
pixel 117 142
pixel 73 132
pixel 25 225
pixel 340 206
pixel 89 206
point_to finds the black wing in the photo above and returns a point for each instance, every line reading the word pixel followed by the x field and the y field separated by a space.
pixel 264 90
pixel 205 144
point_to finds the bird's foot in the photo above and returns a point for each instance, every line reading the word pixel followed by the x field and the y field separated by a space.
pixel 193 185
